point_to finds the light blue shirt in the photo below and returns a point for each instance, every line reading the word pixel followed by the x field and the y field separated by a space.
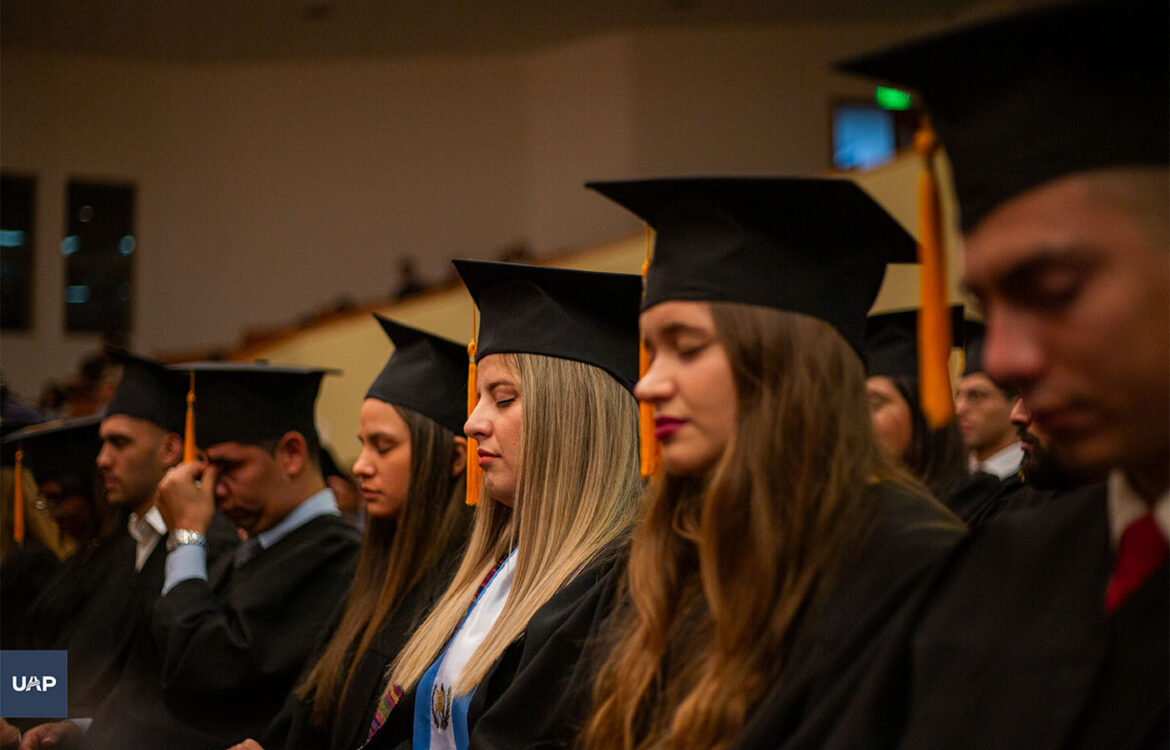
pixel 190 560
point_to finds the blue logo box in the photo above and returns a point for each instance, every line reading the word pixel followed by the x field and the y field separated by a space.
pixel 35 684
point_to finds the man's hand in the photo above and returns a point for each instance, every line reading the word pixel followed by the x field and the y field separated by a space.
pixel 186 496
pixel 59 735
pixel 9 735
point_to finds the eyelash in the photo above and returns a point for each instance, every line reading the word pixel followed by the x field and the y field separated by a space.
pixel 691 353
pixel 504 402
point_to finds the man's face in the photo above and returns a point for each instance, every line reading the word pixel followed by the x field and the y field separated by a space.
pixel 984 413
pixel 1074 280
pixel 132 460
pixel 248 485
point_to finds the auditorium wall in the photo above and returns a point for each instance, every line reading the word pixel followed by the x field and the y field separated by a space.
pixel 267 189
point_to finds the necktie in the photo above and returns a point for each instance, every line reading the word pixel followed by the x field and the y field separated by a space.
pixel 1141 551
pixel 248 549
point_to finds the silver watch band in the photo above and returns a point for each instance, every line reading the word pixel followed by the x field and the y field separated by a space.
pixel 180 537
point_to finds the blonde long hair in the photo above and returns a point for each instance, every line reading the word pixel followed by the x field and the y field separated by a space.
pixel 723 567
pixel 577 492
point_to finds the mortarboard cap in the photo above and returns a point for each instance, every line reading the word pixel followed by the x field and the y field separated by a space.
pixel 1023 100
pixel 587 316
pixel 812 246
pixel 891 341
pixel 57 449
pixel 973 333
pixel 148 390
pixel 251 403
pixel 426 374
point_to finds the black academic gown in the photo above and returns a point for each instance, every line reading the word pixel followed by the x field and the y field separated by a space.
pixel 845 681
pixel 1016 650
pixel 292 728
pixel 979 496
pixel 536 695
pixel 25 573
pixel 224 652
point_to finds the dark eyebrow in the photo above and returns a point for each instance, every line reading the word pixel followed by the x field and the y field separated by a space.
pixel 1017 279
pixel 499 383
pixel 679 328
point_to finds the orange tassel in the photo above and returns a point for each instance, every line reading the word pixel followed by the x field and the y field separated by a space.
pixel 934 322
pixel 474 472
pixel 190 452
pixel 651 451
pixel 18 499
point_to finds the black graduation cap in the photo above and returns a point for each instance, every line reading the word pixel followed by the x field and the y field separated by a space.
pixel 812 246
pixel 57 449
pixel 588 316
pixel 1023 100
pixel 426 374
pixel 973 334
pixel 148 390
pixel 891 341
pixel 251 403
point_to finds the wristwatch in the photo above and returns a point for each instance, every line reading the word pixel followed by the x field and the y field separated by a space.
pixel 185 536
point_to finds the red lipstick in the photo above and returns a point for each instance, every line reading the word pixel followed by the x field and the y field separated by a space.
pixel 666 426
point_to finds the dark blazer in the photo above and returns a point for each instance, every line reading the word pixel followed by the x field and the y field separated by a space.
pixel 534 696
pixel 845 681
pixel 225 652
pixel 93 608
pixel 1017 651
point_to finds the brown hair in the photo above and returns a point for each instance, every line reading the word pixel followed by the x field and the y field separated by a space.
pixel 724 566
pixel 395 556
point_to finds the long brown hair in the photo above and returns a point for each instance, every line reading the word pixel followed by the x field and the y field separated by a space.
pixel 577 493
pixel 395 555
pixel 724 566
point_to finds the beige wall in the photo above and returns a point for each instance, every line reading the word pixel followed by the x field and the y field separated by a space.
pixel 265 189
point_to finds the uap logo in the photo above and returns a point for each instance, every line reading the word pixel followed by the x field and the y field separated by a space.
pixel 34 684
pixel 40 683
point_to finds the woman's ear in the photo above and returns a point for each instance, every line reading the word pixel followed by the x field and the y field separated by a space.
pixel 460 462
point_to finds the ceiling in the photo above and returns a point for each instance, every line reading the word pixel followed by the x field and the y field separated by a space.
pixel 206 30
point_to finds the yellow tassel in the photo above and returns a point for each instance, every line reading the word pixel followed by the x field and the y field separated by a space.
pixel 18 499
pixel 474 472
pixel 190 452
pixel 651 451
pixel 934 323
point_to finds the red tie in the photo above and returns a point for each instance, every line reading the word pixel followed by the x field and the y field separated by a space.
pixel 1141 551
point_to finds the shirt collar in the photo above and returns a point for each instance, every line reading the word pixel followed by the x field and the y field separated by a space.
pixel 1003 463
pixel 320 504
pixel 1126 506
pixel 137 525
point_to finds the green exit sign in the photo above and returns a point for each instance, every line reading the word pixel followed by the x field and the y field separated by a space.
pixel 892 99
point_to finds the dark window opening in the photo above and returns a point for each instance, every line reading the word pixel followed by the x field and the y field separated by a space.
pixel 99 249
pixel 17 218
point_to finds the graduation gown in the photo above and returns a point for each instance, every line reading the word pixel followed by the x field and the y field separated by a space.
pixel 536 695
pixel 1017 651
pixel 223 653
pixel 292 729
pixel 979 496
pixel 845 680
pixel 25 573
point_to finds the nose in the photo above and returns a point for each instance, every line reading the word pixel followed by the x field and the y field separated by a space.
pixel 656 385
pixel 1020 415
pixel 363 467
pixel 1013 353
pixel 477 426
pixel 104 459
